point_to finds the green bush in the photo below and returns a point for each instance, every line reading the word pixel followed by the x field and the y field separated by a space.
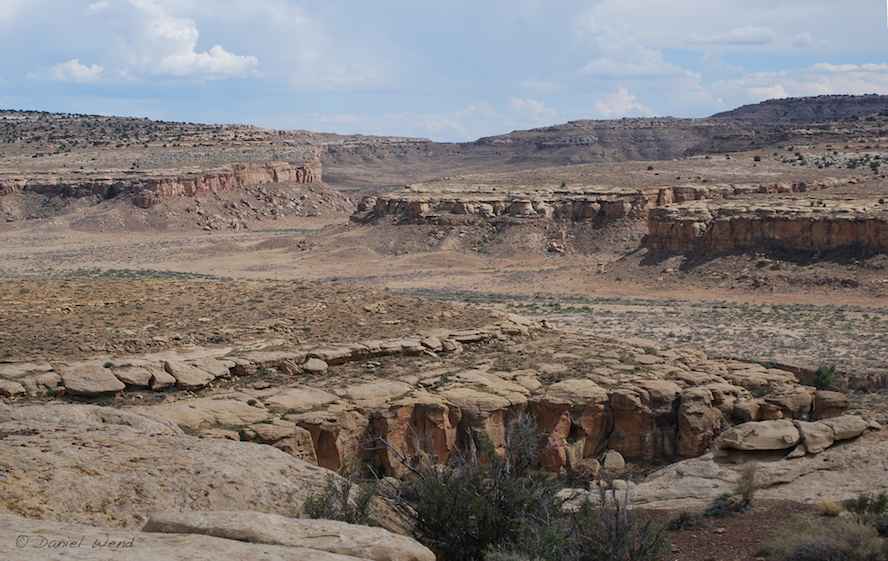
pixel 825 377
pixel 343 499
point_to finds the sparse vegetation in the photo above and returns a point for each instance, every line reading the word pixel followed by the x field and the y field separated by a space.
pixel 825 377
pixel 837 539
pixel 344 499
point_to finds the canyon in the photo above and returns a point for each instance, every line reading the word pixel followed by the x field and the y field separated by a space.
pixel 218 321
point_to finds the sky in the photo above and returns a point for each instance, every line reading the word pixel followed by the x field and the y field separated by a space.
pixel 451 70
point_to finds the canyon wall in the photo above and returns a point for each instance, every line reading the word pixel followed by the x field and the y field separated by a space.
pixel 148 188
pixel 418 204
pixel 791 226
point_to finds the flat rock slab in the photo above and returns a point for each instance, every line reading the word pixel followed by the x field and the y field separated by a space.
pixel 188 376
pixel 23 539
pixel 326 535
pixel 89 380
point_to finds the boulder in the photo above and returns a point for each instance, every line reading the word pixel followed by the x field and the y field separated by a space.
pixel 133 375
pixel 613 462
pixel 10 388
pixel 315 365
pixel 846 426
pixel 89 379
pixel 816 437
pixel 188 376
pixel 761 435
pixel 828 404
pixel 262 528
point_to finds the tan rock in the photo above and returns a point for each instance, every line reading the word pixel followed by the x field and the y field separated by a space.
pixel 10 388
pixel 828 404
pixel 761 435
pixel 846 426
pixel 699 422
pixel 613 462
pixel 127 545
pixel 324 535
pixel 299 399
pixel 132 375
pixel 188 376
pixel 816 437
pixel 206 412
pixel 315 366
pixel 89 379
pixel 55 455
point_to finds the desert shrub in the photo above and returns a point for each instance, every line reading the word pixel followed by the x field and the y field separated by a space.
pixel 830 508
pixel 522 445
pixel 740 500
pixel 725 505
pixel 746 485
pixel 343 499
pixel 684 521
pixel 838 539
pixel 603 530
pixel 870 510
pixel 461 511
pixel 825 377
pixel 611 531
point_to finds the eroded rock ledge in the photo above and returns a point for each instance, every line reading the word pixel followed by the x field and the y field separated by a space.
pixel 433 203
pixel 402 402
pixel 793 225
pixel 147 188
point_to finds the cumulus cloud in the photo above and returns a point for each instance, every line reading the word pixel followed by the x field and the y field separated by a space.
pixel 621 103
pixel 164 44
pixel 73 71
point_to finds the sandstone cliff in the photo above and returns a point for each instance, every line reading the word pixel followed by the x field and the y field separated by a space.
pixel 807 226
pixel 148 188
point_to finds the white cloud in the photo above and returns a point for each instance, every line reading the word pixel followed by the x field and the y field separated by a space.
pixel 167 45
pixel 621 103
pixel 818 79
pixel 73 71
pixel 740 36
pixel 533 110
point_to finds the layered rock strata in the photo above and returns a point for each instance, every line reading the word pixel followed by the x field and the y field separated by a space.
pixel 396 404
pixel 432 203
pixel 150 187
pixel 792 225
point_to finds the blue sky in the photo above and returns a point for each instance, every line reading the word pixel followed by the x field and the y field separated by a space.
pixel 453 70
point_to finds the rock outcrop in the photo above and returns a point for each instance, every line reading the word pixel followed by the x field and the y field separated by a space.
pixel 791 225
pixel 147 188
pixel 440 394
pixel 206 536
pixel 457 201
pixel 375 544
pixel 109 467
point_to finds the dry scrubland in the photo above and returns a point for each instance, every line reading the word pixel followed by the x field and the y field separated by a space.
pixel 212 320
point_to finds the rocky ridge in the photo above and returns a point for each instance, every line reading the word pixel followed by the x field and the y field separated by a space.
pixel 443 203
pixel 402 402
pixel 790 225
